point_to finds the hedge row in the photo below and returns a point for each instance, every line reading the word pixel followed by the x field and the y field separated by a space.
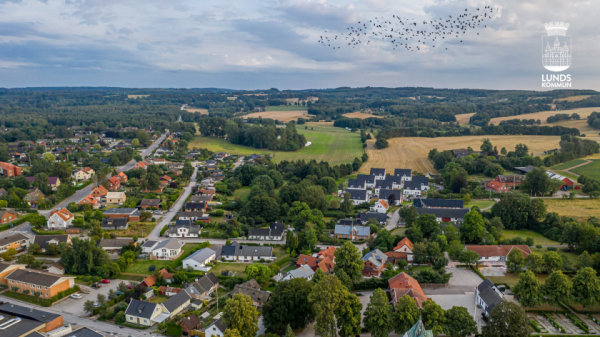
pixel 162 231
pixel 578 322
pixel 534 325
pixel 554 324
pixel 282 262
pixel 372 283
pixel 39 232
pixel 41 301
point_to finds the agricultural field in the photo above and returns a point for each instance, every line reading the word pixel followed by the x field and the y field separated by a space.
pixel 568 165
pixel 480 203
pixel 573 98
pixel 411 152
pixel 197 110
pixel 542 115
pixel 282 115
pixel 286 108
pixel 331 144
pixel 538 238
pixel 360 115
pixel 580 209
pixel 591 170
pixel 137 96
pixel 463 119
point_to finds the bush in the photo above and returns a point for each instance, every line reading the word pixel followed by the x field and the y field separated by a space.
pixel 162 231
pixel 372 283
pixel 174 329
pixel 120 317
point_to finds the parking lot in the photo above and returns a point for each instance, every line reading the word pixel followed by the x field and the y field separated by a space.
pixel 75 306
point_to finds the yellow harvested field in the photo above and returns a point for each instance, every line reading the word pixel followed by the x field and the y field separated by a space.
pixel 195 110
pixel 542 115
pixel 583 127
pixel 580 209
pixel 411 152
pixel 360 115
pixel 137 96
pixel 284 116
pixel 463 118
pixel 574 98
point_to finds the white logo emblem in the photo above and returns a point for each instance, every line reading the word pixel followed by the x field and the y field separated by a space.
pixel 556 47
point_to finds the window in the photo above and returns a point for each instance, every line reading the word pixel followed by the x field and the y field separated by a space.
pixel 145 321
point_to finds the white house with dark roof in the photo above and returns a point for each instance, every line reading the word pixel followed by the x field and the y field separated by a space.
pixel 389 183
pixel 275 232
pixel 404 174
pixel 488 296
pixel 378 173
pixel 148 246
pixel 183 229
pixel 147 313
pixel 217 328
pixel 356 184
pixel 167 249
pixel 304 271
pixel 368 180
pixel 454 215
pixel 203 287
pixel 384 194
pixel 242 253
pixel 358 196
pixel 412 189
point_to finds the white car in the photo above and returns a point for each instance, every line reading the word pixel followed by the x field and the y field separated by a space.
pixel 76 296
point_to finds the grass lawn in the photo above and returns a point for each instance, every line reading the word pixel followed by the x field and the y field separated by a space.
pixel 480 203
pixel 538 238
pixel 141 266
pixel 580 209
pixel 569 164
pixel 398 231
pixel 512 279
pixel 279 251
pixel 591 170
pixel 140 229
pixel 288 268
pixel 568 257
pixel 239 268
pixel 159 299
pixel 286 108
pixel 242 193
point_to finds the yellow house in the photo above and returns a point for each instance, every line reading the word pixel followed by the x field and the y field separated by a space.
pixel 148 314
pixel 114 198
pixel 85 173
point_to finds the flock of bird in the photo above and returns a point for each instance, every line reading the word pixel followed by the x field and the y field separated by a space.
pixel 408 33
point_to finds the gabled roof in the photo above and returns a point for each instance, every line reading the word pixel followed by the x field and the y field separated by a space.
pixel 114 222
pixel 346 230
pixel 127 211
pixel 190 322
pixel 252 288
pixel 377 171
pixel 42 240
pixel 206 282
pixel 12 238
pixel 496 185
pixel 201 255
pixel 365 178
pixel 111 243
pixel 434 203
pixel 366 216
pixel 35 195
pixel 328 252
pixel 83 332
pixel 169 244
pixel 457 213
pixel 303 271
pixel 140 309
pixel 499 250
pixel 176 301
pixel 31 313
pixel 403 172
pixel 404 242
pixel 385 193
pixel 151 202
pixel 403 284
pixel 148 244
pixel 489 296
pixel 376 257
pixel 357 194
pixel 34 277
pixel 63 214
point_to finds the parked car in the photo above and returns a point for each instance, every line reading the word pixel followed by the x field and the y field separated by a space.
pixel 119 293
pixel 129 286
pixel 105 281
pixel 76 296
pixel 96 285
pixel 96 304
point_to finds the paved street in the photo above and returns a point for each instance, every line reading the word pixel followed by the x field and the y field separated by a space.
pixel 393 221
pixel 238 162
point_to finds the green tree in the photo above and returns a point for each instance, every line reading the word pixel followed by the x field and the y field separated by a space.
pixel 293 296
pixel 379 315
pixel 260 272
pixel 454 249
pixel 318 276
pixel 230 333
pixel 326 298
pixel 241 314
pixel 584 260
pixel 49 157
pixel 469 257
pixel 348 316
pixel 289 332
pixel 346 206
pixel 135 142
pixel 507 314
pixel 420 253
pixel 101 299
pixel 428 224
pixel 459 322
pixel 88 306
pixel 434 317
pixel 521 150
pixel 409 215
pixel 557 289
pixel 473 227
pixel 586 289
pixel 143 137
pixel 349 259
pixel 486 146
pixel 528 290
pixel 406 314
pixel 537 182
pixel 552 261
pixel 535 263
pixel 344 278
pixel 515 261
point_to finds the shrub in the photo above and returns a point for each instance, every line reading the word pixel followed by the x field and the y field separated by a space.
pixel 120 317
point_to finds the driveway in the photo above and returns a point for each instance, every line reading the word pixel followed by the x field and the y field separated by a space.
pixel 75 307
pixel 393 221
pixel 463 281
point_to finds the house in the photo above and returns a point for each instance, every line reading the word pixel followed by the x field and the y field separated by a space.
pixel 510 180
pixel 114 198
pixel 34 197
pixel 402 251
pixel 189 323
pixel 454 215
pixel 221 155
pixel 488 296
pixel 45 283
pixel 7 215
pixel 380 206
pixel 352 232
pixel 165 179
pixel 374 263
pixel 204 286
pixel 90 200
pixel 364 217
pixel 389 183
pixel 148 246
pixel 177 303
pixel 201 198
pixel 496 187
pixel 412 189
pixel 150 203
pixel 462 153
pixel 132 214
pixel 17 320
pixel 276 231
pixel 122 177
pixel 252 288
pixel 114 183
pixel 84 332
pixel 303 271
pixel 378 173
pixel 253 157
pixel 368 180
pixel 393 197
pixel 525 169
pixel 183 229
pixel 194 216
pixel 140 165
pixel 199 259
pixel 358 196
pixel 438 203
pixel 205 191
pixel 151 280
pixel 169 291
pixel 17 241
pixel 114 246
pixel 99 192
pixel 57 268
pixel 7 268
pixel 497 254
pixel 323 260
pixel 403 284
pixel 242 253
pixel 114 224
pixel 216 329
pixel 354 184
pixel 195 207
pixel 404 174
pixel 60 219
pixel 46 240
pixel 9 170
pixel 85 173
pixel 568 183
pixel 167 249
pixel 148 314
pixel 422 182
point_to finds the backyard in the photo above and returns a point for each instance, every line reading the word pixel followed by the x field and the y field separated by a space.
pixel 480 203
pixel 538 238
pixel 139 229
pixel 238 268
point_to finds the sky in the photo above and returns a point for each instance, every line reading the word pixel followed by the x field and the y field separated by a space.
pixel 261 44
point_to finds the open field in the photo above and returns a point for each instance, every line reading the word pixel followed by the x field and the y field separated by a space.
pixel 360 115
pixel 538 238
pixel 542 115
pixel 284 116
pixel 238 268
pixel 331 144
pixel 591 170
pixel 411 152
pixel 197 110
pixel 580 209
pixel 567 174
pixel 286 108
pixel 569 164
pixel 137 96
pixel 140 229
pixel 463 118
pixel 480 203
pixel 573 98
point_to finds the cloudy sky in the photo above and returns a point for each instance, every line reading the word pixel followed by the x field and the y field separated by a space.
pixel 259 44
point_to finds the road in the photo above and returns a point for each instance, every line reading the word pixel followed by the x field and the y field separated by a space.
pixel 238 162
pixel 82 193
pixel 393 221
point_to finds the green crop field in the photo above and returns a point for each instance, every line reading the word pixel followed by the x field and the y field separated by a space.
pixel 569 164
pixel 591 170
pixel 538 238
pixel 286 108
pixel 334 145
pixel 480 203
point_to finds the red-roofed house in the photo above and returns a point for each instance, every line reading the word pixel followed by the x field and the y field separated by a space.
pixel 114 183
pixel 403 284
pixel 380 207
pixel 60 219
pixel 403 250
pixel 496 186
pixel 89 200
pixel 10 170
pixel 165 179
pixel 140 165
pixel 122 177
pixel 328 252
pixel 322 262
pixel 497 254
pixel 99 192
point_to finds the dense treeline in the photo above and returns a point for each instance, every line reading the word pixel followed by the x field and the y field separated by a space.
pixel 355 123
pixel 485 130
pixel 572 148
pixel 520 122
pixel 593 120
pixel 562 117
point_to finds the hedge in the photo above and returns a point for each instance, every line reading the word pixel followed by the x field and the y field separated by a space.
pixel 372 283
pixel 554 324
pixel 162 231
pixel 110 303
pixel 133 326
pixel 282 262
pixel 41 301
pixel 534 325
pixel 578 322
pixel 39 232
pixel 478 273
